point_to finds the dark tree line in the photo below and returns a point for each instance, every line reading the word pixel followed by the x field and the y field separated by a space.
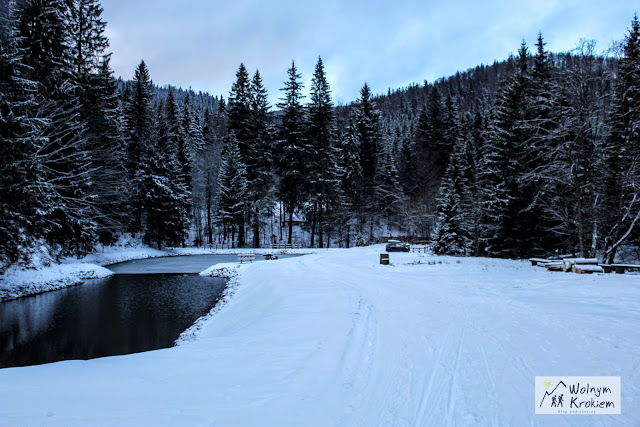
pixel 526 156
pixel 553 164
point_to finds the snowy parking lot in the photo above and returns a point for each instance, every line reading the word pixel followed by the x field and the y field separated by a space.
pixel 335 338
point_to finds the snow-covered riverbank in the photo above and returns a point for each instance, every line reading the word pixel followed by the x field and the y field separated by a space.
pixel 335 338
pixel 19 282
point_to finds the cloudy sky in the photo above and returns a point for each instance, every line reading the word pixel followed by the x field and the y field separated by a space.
pixel 388 44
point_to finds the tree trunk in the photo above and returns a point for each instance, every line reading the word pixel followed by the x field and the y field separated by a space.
pixel 371 230
pixel 241 233
pixel 290 225
pixel 138 226
pixel 209 209
pixel 578 194
pixel 256 228
pixel 313 224
pixel 320 235
pixel 280 222
pixel 610 253
pixel 348 236
pixel 224 231
pixel 233 236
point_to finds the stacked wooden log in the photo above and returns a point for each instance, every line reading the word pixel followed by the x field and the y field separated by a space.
pixel 581 265
pixel 566 264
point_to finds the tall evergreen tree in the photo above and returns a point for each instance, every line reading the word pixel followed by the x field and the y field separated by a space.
pixel 502 167
pixel 351 183
pixel 138 137
pixel 387 192
pixel 622 197
pixel 20 204
pixel 292 156
pixel 449 238
pixel 103 116
pixel 239 110
pixel 260 156
pixel 323 170
pixel 367 126
pixel 232 197
pixel 87 40
pixel 165 192
pixel 205 181
pixel 65 155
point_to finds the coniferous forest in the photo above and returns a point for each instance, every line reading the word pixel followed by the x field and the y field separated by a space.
pixel 535 154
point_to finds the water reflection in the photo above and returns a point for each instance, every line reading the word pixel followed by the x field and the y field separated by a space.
pixel 178 264
pixel 118 315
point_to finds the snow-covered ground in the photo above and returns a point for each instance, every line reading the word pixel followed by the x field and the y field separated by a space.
pixel 335 338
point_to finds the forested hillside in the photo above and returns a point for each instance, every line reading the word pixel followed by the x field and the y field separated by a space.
pixel 527 156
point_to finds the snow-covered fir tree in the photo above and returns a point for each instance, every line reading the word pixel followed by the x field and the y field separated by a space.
pixel 138 128
pixel 292 156
pixel 21 206
pixel 323 168
pixel 232 196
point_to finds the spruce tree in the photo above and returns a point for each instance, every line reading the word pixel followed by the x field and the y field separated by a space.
pixel 65 156
pixel 138 121
pixel 448 236
pixel 387 192
pixel 622 198
pixel 21 205
pixel 239 110
pixel 166 196
pixel 367 127
pixel 232 196
pixel 103 115
pixel 259 161
pixel 292 151
pixel 351 181
pixel 502 167
pixel 323 172
pixel 87 40
pixel 539 127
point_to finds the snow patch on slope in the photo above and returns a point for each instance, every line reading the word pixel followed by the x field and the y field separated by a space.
pixel 16 283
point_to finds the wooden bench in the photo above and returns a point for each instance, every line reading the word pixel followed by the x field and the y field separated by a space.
pixel 619 268
pixel 419 249
pixel 607 268
pixel 384 259
pixel 245 257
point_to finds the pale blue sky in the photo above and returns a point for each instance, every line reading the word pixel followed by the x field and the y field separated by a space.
pixel 388 44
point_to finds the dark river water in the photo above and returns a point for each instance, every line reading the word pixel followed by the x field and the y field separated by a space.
pixel 122 314
pixel 145 306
